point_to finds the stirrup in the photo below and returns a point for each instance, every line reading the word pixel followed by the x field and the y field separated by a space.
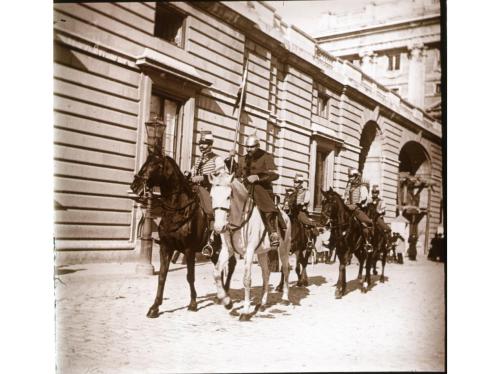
pixel 207 251
pixel 276 242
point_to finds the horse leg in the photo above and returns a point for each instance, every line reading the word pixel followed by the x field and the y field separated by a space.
pixel 247 283
pixel 285 270
pixel 230 271
pixel 384 259
pixel 280 285
pixel 341 281
pixel 165 257
pixel 190 259
pixel 264 262
pixel 298 259
pixel 303 275
pixel 217 274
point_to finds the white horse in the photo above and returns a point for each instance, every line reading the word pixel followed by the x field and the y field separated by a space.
pixel 242 230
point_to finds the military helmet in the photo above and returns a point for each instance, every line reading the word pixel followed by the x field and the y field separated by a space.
pixel 353 172
pixel 375 189
pixel 252 141
pixel 298 178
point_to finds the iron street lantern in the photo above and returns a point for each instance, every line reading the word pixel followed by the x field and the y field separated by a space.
pixel 154 130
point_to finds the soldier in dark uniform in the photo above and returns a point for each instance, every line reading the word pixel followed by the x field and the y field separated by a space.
pixel 257 169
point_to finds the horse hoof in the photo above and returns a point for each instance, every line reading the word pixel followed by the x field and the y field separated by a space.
pixel 299 284
pixel 244 317
pixel 338 294
pixel 193 307
pixel 285 302
pixel 375 272
pixel 305 283
pixel 153 313
pixel 229 305
pixel 279 289
pixel 263 308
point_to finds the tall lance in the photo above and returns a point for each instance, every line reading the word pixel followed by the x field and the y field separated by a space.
pixel 241 99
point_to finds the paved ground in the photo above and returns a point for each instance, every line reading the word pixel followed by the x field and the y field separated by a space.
pixel 102 328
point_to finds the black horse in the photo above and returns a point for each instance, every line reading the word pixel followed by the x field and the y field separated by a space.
pixel 183 226
pixel 350 237
pixel 380 240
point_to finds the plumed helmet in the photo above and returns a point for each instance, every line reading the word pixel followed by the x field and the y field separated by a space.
pixel 252 141
pixel 206 137
pixel 353 172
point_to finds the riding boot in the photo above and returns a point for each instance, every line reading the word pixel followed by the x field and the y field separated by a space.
pixel 272 224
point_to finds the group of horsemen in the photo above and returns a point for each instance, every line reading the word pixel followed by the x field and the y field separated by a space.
pixel 257 170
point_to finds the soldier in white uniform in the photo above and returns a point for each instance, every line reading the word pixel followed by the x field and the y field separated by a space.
pixel 379 208
pixel 303 199
pixel 356 196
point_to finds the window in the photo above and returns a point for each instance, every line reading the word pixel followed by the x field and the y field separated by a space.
pixel 394 61
pixel 437 91
pixel 169 25
pixel 319 180
pixel 168 110
pixel 322 105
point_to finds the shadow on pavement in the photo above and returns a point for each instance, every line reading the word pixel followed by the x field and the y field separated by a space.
pixel 59 271
pixel 356 284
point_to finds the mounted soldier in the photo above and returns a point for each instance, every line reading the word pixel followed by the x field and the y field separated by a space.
pixel 356 196
pixel 379 207
pixel 202 168
pixel 303 199
pixel 258 171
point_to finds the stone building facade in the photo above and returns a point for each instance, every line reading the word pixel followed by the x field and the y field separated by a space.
pixel 397 42
pixel 116 64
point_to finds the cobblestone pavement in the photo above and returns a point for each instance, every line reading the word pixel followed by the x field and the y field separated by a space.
pixel 101 324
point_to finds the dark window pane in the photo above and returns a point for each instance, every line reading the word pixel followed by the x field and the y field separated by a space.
pixel 169 25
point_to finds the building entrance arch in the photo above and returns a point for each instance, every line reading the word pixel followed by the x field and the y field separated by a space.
pixel 415 179
pixel 370 157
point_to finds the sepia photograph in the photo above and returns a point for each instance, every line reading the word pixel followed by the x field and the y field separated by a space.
pixel 249 186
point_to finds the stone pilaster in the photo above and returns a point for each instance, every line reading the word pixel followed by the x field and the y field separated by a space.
pixel 416 75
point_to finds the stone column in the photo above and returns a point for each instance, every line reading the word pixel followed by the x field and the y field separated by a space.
pixel 416 75
pixel 312 173
pixel 367 59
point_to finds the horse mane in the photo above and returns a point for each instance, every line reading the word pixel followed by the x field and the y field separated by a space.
pixel 238 202
pixel 175 176
pixel 342 216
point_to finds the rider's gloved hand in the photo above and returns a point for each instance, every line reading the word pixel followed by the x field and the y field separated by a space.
pixel 197 179
pixel 253 178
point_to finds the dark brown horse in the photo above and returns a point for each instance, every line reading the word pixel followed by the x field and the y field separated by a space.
pixel 349 236
pixel 380 240
pixel 303 239
pixel 183 226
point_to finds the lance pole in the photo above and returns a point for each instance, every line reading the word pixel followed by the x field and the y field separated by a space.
pixel 240 107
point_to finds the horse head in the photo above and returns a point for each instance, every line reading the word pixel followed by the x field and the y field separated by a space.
pixel 159 170
pixel 290 204
pixel 332 208
pixel 221 194
pixel 148 175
